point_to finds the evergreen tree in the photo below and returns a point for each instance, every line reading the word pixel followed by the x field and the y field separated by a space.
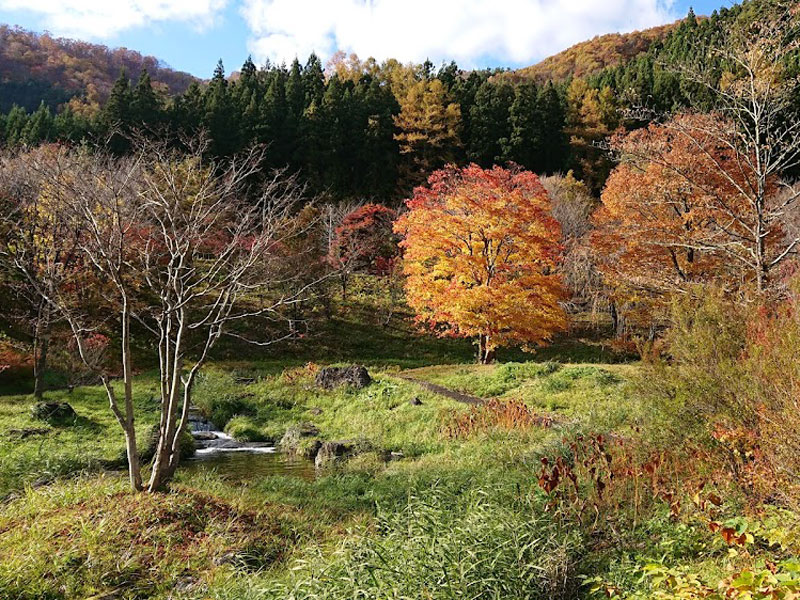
pixel 295 93
pixel 39 127
pixel 188 110
pixel 527 135
pixel 116 117
pixel 69 126
pixel 145 104
pixel 220 117
pixel 490 123
pixel 15 124
pixel 378 155
pixel 313 80
pixel 555 148
pixel 274 119
pixel 449 75
pixel 463 92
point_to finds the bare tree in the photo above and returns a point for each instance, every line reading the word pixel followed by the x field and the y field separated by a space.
pixel 93 196
pixel 182 246
pixel 210 255
pixel 752 139
pixel 573 205
pixel 38 250
pixel 339 260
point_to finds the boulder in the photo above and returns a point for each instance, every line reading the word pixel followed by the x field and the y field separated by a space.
pixel 331 452
pixel 53 411
pixel 296 438
pixel 316 411
pixel 329 378
pixel 415 401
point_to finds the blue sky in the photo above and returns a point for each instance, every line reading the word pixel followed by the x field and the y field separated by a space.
pixel 191 35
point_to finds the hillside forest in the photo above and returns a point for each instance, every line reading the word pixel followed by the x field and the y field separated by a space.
pixel 384 330
pixel 357 129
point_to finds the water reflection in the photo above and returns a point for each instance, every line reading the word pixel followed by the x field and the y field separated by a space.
pixel 246 467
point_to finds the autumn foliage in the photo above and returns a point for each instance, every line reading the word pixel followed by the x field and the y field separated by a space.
pixel 480 255
pixel 672 215
pixel 72 67
pixel 365 239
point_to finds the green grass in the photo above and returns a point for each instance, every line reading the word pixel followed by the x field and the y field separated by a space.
pixel 92 537
pixel 93 441
pixel 446 518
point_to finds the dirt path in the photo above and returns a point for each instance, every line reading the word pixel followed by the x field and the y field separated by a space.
pixel 446 392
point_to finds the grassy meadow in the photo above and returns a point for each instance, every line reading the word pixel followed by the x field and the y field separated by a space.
pixel 440 499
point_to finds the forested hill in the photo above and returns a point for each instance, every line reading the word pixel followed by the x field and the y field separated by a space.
pixel 359 129
pixel 591 56
pixel 38 67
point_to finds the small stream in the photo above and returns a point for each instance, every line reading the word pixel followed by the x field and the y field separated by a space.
pixel 237 461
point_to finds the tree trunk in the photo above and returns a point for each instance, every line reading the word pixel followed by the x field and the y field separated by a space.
pixel 134 465
pixel 40 366
pixel 617 321
pixel 41 345
pixel 486 354
pixel 164 461
pixel 344 280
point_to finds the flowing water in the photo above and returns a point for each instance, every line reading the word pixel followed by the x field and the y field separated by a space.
pixel 240 462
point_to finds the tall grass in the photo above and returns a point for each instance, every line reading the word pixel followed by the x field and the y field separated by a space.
pixel 441 546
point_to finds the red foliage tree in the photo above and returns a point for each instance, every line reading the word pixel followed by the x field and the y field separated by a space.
pixel 365 239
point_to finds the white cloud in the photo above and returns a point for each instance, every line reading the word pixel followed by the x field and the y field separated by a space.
pixel 507 31
pixel 105 18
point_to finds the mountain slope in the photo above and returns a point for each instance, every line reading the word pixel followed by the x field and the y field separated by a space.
pixel 591 56
pixel 36 67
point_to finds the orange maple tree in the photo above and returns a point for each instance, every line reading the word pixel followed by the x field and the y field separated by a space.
pixel 672 216
pixel 481 251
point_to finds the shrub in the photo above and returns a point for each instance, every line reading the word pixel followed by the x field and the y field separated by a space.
pixel 729 378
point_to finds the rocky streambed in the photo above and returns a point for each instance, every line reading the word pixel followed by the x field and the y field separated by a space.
pixel 240 462
pixel 210 440
pixel 300 451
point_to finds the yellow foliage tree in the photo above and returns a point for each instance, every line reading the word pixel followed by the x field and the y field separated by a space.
pixel 480 255
pixel 428 130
